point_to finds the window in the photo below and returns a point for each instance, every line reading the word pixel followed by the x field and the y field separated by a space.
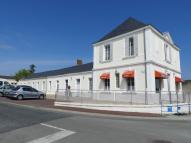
pixel 107 84
pixel 158 84
pixel 117 80
pixel 43 88
pixel 131 47
pixel 130 84
pixel 107 52
pixel 66 83
pixel 50 85
pixel 34 90
pixel 57 85
pixel 1 83
pixel 27 89
pixel 78 84
pixel 90 84
pixel 167 51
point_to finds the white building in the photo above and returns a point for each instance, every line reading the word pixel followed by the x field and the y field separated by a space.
pixel 133 57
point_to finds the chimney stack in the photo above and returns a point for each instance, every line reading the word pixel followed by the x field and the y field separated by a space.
pixel 79 62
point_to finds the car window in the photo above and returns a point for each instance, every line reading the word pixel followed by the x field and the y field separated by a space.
pixel 34 90
pixel 1 83
pixel 16 88
pixel 6 83
pixel 27 89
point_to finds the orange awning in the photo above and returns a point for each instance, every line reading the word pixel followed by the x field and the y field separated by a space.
pixel 177 79
pixel 105 76
pixel 160 75
pixel 128 74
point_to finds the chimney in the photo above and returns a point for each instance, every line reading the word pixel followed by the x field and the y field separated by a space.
pixel 79 62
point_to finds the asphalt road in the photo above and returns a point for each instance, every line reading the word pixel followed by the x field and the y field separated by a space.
pixel 28 125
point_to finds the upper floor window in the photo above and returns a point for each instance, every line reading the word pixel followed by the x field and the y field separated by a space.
pixel 167 51
pixel 131 47
pixel 107 50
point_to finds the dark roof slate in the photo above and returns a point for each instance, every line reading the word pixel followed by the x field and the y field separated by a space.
pixel 73 69
pixel 6 77
pixel 128 25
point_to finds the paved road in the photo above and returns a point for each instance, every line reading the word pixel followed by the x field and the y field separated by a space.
pixel 28 125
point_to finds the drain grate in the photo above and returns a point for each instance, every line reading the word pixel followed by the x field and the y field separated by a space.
pixel 161 141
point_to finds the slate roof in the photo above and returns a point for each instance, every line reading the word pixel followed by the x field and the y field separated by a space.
pixel 73 69
pixel 6 77
pixel 128 25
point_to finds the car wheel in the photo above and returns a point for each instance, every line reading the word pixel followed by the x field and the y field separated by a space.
pixel 41 97
pixel 20 97
pixel 1 94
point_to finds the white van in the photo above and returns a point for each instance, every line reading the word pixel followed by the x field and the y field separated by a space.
pixel 2 83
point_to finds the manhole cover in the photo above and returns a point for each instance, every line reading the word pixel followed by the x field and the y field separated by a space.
pixel 161 141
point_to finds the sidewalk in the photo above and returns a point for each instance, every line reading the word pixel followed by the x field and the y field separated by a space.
pixel 49 104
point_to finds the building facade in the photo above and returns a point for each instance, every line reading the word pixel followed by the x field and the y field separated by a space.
pixel 134 57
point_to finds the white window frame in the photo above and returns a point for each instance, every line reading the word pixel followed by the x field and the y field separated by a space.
pixel 131 47
pixel 107 52
pixel 167 51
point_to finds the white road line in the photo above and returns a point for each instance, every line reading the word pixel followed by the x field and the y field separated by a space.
pixel 50 126
pixel 53 137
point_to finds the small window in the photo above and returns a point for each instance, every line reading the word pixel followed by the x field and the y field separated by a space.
pixel 66 83
pixel 107 84
pixel 131 47
pixel 130 84
pixel 57 86
pixel 117 80
pixel 107 52
pixel 50 84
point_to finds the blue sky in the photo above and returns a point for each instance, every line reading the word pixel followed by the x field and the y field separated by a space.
pixel 54 33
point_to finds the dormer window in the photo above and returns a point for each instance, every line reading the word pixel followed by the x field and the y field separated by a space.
pixel 107 50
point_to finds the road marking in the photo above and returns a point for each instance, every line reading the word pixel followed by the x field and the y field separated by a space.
pixel 53 137
pixel 50 126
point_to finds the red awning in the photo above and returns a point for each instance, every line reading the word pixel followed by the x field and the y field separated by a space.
pixel 128 74
pixel 105 76
pixel 178 79
pixel 160 75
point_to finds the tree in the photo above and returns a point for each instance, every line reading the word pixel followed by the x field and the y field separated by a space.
pixel 32 68
pixel 23 73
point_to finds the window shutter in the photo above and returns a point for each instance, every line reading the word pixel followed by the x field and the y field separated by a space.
pixel 100 53
pixel 127 47
pixel 136 44
pixel 111 51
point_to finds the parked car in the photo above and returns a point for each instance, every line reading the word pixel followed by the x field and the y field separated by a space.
pixel 4 90
pixel 22 92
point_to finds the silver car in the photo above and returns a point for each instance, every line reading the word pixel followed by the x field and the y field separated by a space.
pixel 22 92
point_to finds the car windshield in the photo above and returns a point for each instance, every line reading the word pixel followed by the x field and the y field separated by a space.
pixel 1 83
pixel 16 88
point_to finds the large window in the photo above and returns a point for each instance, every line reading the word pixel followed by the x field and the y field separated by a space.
pixel 158 84
pixel 131 47
pixel 130 84
pixel 167 51
pixel 117 80
pixel 107 84
pixel 107 53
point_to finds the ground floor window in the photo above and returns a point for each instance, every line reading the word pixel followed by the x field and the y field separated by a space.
pixel 117 80
pixel 107 84
pixel 158 84
pixel 130 84
pixel 177 86
pixel 57 86
pixel 90 84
